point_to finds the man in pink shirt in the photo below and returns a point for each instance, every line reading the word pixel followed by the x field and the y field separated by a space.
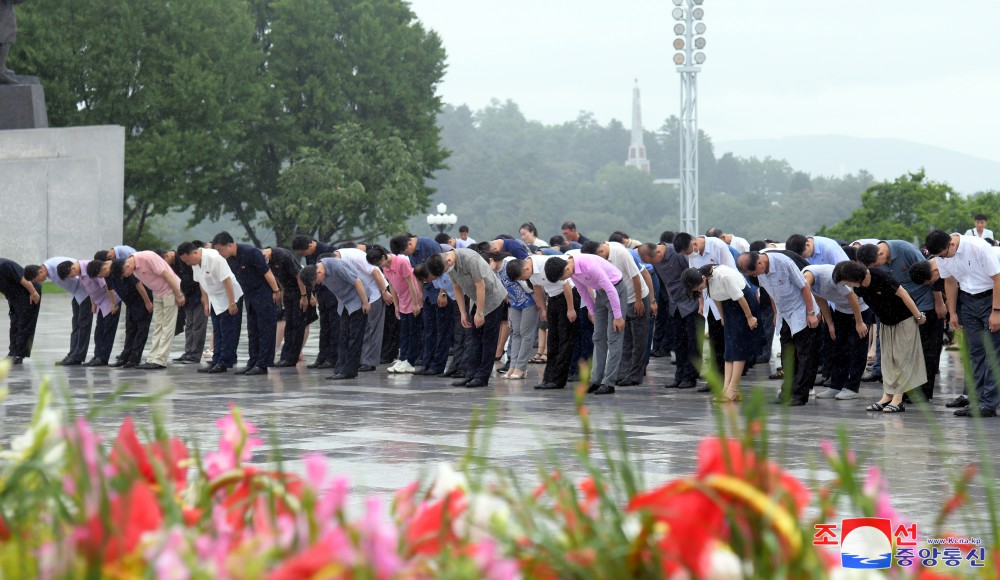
pixel 403 287
pixel 159 277
pixel 590 272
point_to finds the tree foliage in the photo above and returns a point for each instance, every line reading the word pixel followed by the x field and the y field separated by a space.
pixel 178 75
pixel 362 187
pixel 906 208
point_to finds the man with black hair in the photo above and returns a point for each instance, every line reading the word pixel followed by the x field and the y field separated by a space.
pixel 737 243
pixel 663 333
pixel 683 310
pixel 345 283
pixel 329 318
pixel 260 295
pixel 138 303
pixel 897 257
pixel 294 303
pixel 967 262
pixel 221 298
pixel 104 303
pixel 471 276
pixel 23 299
pixel 591 272
pixel 194 321
pixel 980 230
pixel 702 251
pixel 463 241
pixel 154 272
pixel 83 318
pixel 560 313
pixel 569 232
pixel 792 296
pixel 816 249
pixel 419 249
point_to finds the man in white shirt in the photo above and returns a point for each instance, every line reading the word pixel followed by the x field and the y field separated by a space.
pixel 980 230
pixel 737 243
pixel 463 240
pixel 967 262
pixel 220 299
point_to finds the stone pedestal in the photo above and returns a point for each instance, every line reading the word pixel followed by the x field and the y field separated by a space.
pixel 61 192
pixel 22 106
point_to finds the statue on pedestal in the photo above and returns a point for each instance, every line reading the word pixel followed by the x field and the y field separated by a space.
pixel 8 35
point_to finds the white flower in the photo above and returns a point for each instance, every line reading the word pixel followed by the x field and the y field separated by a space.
pixel 484 512
pixel 447 480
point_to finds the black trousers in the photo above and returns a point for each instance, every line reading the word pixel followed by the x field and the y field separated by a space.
pixel 329 326
pixel 226 329
pixel 635 343
pixel 663 329
pixel 390 335
pixel 561 338
pixel 583 346
pixel 461 338
pixel 717 340
pixel 23 319
pixel 687 337
pixel 79 341
pixel 850 351
pixel 136 333
pixel 932 341
pixel 352 336
pixel 104 334
pixel 295 326
pixel 483 345
pixel 262 321
pixel 444 328
pixel 801 353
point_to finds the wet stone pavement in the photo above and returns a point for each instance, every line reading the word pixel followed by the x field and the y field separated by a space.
pixel 383 431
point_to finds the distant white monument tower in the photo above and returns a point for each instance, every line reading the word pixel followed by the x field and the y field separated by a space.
pixel 637 150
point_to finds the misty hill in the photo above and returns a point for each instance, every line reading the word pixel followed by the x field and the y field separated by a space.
pixel 835 155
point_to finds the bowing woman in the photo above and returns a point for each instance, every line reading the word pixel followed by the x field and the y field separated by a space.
pixel 737 303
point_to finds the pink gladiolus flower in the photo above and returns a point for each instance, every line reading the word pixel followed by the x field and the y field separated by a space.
pixel 379 541
pixel 167 559
pixel 874 488
pixel 827 448
pixel 491 565
pixel 234 434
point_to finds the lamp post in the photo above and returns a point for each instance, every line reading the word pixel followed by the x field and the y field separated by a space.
pixel 441 221
pixel 688 58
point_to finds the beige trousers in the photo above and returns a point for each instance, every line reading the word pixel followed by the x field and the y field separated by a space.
pixel 162 331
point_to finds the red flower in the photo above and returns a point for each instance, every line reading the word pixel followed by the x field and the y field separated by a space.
pixel 128 453
pixel 129 517
pixel 317 562
pixel 429 530
pixel 4 530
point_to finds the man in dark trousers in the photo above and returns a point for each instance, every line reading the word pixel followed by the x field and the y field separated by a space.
pixel 260 294
pixel 344 282
pixel 684 310
pixel 294 301
pixel 83 318
pixel 329 319
pixel 138 308
pixel 23 299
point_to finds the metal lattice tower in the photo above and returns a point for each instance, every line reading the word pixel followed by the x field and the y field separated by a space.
pixel 688 59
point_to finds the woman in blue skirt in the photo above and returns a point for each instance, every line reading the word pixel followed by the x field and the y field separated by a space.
pixel 737 303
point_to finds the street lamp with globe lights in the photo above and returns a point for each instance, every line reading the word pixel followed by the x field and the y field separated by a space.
pixel 441 221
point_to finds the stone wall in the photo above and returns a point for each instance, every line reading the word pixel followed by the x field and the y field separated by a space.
pixel 61 192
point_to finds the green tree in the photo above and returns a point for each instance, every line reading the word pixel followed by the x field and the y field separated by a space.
pixel 178 75
pixel 362 187
pixel 905 208
pixel 328 63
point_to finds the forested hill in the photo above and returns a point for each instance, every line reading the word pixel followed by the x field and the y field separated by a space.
pixel 505 170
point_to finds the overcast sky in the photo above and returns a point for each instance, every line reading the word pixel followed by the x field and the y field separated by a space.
pixel 920 70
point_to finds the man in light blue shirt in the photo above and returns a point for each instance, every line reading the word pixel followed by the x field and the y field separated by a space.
pixel 83 318
pixel 345 283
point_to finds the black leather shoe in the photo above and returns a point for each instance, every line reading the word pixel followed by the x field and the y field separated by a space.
pixel 593 387
pixel 459 374
pixel 341 377
pixel 185 360
pixel 327 365
pixel 130 364
pixel 96 362
pixel 449 373
pixel 704 389
pixel 118 363
pixel 958 402
pixel 313 365
pixel 870 377
pixel 549 387
pixel 17 360
pixel 627 383
pixel 365 368
pixel 688 384
pixel 797 402
pixel 255 371
pixel 461 383
pixel 475 383
pixel 283 364
pixel 673 385
pixel 426 372
pixel 605 390
pixel 572 378
pixel 69 362
pixel 659 354
pixel 150 367
pixel 206 369
pixel 216 370
pixel 973 412
pixel 504 368
pixel 242 371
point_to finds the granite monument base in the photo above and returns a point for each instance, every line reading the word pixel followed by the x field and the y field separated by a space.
pixel 22 106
